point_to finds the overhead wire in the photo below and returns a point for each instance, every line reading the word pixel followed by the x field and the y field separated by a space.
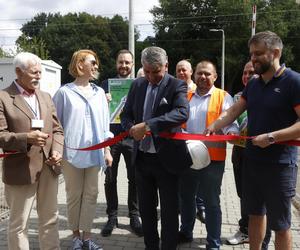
pixel 143 25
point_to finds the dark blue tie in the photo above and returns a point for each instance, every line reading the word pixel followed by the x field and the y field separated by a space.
pixel 146 142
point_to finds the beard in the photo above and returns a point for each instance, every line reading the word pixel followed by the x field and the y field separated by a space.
pixel 263 68
pixel 124 72
pixel 204 87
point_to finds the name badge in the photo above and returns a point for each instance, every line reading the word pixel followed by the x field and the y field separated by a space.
pixel 35 123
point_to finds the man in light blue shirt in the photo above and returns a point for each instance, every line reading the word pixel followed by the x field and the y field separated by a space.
pixel 206 103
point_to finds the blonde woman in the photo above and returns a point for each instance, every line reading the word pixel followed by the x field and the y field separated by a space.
pixel 83 111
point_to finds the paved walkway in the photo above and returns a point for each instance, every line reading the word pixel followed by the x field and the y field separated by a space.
pixel 123 239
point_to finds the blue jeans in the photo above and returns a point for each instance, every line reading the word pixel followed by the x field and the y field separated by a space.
pixel 188 188
pixel 207 184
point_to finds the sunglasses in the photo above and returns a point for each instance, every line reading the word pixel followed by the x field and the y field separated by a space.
pixel 93 62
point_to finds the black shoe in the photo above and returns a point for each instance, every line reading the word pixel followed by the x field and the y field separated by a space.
pixel 201 215
pixel 181 238
pixel 109 226
pixel 136 226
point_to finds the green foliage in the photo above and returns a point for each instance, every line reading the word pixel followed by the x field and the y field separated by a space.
pixel 34 45
pixel 62 35
pixel 2 53
pixel 182 28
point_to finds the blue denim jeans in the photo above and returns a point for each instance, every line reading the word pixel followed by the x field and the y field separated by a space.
pixel 207 184
pixel 188 188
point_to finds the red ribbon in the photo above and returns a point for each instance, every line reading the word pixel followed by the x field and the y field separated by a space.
pixel 104 144
pixel 8 153
pixel 175 136
pixel 201 137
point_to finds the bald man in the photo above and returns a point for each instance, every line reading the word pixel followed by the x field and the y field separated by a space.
pixel 184 72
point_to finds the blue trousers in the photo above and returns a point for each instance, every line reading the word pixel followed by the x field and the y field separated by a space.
pixel 207 184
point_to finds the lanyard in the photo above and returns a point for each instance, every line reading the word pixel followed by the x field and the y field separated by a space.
pixel 33 106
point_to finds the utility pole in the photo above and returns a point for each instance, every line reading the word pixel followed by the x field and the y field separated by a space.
pixel 223 57
pixel 253 20
pixel 131 35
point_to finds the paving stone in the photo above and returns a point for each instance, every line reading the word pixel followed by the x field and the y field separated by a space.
pixel 123 239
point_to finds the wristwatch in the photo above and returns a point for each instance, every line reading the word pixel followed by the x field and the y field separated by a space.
pixel 147 128
pixel 271 138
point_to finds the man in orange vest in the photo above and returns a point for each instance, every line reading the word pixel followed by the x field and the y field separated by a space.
pixel 206 103
pixel 184 72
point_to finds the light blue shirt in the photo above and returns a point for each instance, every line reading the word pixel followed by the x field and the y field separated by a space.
pixel 85 122
pixel 196 123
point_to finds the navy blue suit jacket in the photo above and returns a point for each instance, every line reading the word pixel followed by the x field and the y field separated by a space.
pixel 171 109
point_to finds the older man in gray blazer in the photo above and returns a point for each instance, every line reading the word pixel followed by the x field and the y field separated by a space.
pixel 29 127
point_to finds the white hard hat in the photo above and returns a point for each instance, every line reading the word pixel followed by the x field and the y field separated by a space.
pixel 199 154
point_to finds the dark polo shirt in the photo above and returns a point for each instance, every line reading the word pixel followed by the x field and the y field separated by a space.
pixel 270 107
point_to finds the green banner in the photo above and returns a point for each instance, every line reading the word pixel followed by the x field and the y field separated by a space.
pixel 118 88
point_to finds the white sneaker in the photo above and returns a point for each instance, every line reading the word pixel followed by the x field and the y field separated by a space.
pixel 91 245
pixel 77 244
pixel 238 238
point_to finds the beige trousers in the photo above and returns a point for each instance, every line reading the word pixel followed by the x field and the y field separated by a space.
pixel 20 199
pixel 82 192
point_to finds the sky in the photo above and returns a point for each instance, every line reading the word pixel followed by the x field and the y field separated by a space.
pixel 14 13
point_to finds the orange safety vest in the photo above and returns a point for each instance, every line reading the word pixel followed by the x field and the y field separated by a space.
pixel 217 150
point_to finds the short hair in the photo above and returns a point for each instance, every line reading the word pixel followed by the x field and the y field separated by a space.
pixel 140 73
pixel 79 56
pixel 205 62
pixel 154 56
pixel 186 61
pixel 24 59
pixel 124 51
pixel 269 38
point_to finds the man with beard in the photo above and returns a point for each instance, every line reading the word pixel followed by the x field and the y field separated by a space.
pixel 270 171
pixel 124 64
pixel 184 72
pixel 237 159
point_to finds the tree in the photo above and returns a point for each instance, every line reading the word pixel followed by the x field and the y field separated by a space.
pixel 62 35
pixel 182 28
pixel 2 53
pixel 34 45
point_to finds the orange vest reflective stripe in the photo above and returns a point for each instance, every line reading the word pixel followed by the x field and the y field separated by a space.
pixel 217 150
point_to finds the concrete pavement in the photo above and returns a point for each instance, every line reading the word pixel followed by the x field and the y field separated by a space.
pixel 123 239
